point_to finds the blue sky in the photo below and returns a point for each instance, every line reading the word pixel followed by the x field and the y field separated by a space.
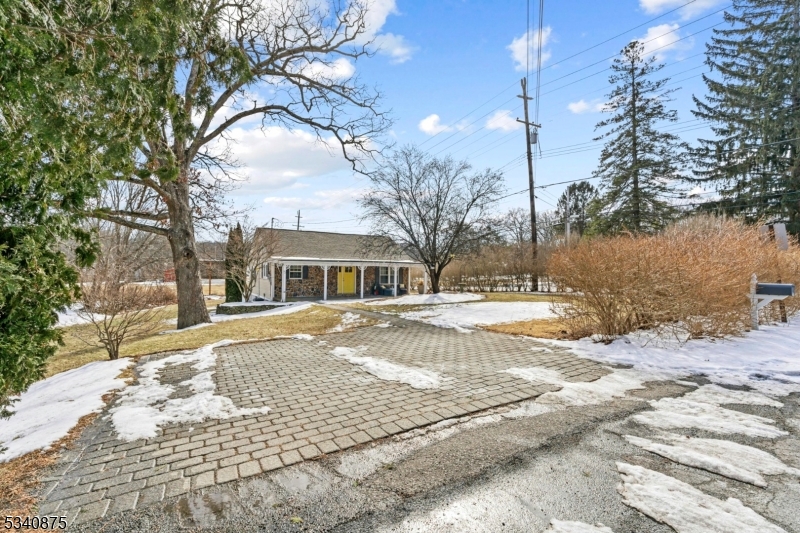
pixel 450 70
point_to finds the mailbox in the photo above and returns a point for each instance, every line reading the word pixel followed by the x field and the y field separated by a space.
pixel 775 289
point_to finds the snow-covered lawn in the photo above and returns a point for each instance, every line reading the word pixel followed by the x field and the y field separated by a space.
pixel 70 317
pixel 145 407
pixel 51 407
pixel 464 317
pixel 767 360
pixel 430 299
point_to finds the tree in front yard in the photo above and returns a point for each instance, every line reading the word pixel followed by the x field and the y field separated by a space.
pixel 639 164
pixel 249 248
pixel 233 256
pixel 282 63
pixel 436 209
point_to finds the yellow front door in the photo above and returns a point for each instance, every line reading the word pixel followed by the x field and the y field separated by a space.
pixel 347 280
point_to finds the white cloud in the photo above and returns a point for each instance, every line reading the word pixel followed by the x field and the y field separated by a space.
pixel 277 157
pixel 327 199
pixel 394 46
pixel 660 39
pixel 656 7
pixel 340 69
pixel 518 48
pixel 582 106
pixel 389 44
pixel 432 125
pixel 502 120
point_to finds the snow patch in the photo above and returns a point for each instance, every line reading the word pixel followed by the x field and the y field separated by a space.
pixel 418 378
pixel 430 299
pixel 467 316
pixel 608 387
pixel 683 507
pixel 701 409
pixel 70 317
pixel 51 407
pixel 563 526
pixel 297 336
pixel 766 359
pixel 144 408
pixel 349 321
pixel 726 458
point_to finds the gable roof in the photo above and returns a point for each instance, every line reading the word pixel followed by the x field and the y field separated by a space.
pixel 322 245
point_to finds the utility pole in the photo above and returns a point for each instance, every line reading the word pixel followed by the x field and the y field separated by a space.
pixel 528 142
pixel 298 220
pixel 272 223
pixel 568 213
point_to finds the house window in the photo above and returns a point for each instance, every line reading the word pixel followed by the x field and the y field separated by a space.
pixel 295 272
pixel 265 270
pixel 387 276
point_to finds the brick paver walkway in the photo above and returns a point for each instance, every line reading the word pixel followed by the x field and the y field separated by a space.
pixel 320 404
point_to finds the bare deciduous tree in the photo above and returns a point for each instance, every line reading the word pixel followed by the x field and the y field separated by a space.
pixel 246 256
pixel 285 62
pixel 436 209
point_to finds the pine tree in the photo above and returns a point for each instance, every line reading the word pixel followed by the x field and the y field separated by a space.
pixel 580 196
pixel 233 256
pixel 754 105
pixel 638 164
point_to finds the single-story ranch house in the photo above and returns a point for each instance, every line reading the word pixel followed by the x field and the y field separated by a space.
pixel 314 264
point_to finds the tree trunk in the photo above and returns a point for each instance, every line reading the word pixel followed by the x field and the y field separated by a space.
pixel 435 281
pixel 191 303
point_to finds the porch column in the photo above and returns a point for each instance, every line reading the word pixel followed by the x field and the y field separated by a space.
pixel 425 282
pixel 325 288
pixel 361 268
pixel 395 281
pixel 272 282
pixel 283 282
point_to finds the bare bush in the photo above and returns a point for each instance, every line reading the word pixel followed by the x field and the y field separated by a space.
pixel 120 311
pixel 245 255
pixel 692 280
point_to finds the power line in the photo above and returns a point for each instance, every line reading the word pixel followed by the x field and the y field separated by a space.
pixel 451 125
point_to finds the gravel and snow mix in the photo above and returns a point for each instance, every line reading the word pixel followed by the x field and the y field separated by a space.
pixel 51 407
pixel 565 526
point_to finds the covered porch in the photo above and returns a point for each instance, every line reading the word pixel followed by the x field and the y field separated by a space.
pixel 342 277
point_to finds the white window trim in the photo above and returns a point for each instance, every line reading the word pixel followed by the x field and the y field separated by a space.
pixel 389 275
pixel 295 272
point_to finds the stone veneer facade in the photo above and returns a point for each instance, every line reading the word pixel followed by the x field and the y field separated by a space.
pixel 311 286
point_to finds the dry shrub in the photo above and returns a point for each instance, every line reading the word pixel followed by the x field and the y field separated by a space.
pixel 161 295
pixel 692 279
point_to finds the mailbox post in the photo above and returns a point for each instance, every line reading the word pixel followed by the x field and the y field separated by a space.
pixel 763 293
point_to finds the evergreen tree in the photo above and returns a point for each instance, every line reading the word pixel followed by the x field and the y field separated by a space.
pixel 638 164
pixel 754 106
pixel 580 195
pixel 65 126
pixel 233 292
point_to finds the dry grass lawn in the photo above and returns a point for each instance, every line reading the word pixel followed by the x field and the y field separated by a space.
pixel 517 297
pixel 542 328
pixel 314 321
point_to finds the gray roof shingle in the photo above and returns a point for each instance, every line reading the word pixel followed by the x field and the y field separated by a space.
pixel 335 246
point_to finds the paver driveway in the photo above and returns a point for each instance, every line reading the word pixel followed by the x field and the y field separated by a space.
pixel 319 403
